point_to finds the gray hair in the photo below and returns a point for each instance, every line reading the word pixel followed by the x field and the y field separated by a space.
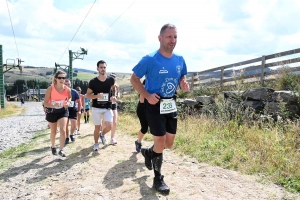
pixel 162 30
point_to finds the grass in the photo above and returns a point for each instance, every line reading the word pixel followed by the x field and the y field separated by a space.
pixel 130 124
pixel 84 76
pixel 11 109
pixel 9 156
pixel 250 150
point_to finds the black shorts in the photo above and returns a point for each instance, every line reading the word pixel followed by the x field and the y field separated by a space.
pixel 160 123
pixel 140 111
pixel 73 113
pixel 54 117
pixel 87 109
pixel 114 106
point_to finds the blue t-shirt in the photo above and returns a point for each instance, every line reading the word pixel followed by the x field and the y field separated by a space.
pixel 75 96
pixel 87 103
pixel 162 74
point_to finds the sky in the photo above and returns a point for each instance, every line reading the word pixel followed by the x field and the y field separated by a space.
pixel 211 33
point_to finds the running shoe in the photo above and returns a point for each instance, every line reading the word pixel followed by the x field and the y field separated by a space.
pixel 53 149
pixel 103 139
pixel 62 153
pixel 113 141
pixel 138 146
pixel 72 138
pixel 67 141
pixel 78 132
pixel 96 147
pixel 160 185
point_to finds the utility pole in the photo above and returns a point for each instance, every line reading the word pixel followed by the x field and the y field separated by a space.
pixel 39 93
pixel 2 97
pixel 8 67
pixel 69 68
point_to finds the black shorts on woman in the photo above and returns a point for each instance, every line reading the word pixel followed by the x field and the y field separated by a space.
pixel 160 123
pixel 53 117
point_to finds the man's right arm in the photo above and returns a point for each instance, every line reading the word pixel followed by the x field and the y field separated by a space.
pixel 138 86
pixel 136 83
pixel 90 94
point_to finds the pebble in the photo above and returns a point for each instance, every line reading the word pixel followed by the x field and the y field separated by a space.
pixel 19 129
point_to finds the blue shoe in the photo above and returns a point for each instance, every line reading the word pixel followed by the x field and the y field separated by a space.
pixel 138 146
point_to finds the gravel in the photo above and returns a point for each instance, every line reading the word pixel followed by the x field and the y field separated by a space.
pixel 21 129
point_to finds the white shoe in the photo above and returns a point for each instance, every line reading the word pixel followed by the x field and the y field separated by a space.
pixel 78 132
pixel 113 141
pixel 96 147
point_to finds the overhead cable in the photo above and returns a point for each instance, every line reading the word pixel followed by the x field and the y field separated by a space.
pixel 12 29
pixel 113 22
pixel 77 30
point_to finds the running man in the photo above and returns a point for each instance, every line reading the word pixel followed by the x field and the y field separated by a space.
pixel 164 72
pixel 56 101
pixel 99 91
pixel 80 111
pixel 87 103
pixel 74 108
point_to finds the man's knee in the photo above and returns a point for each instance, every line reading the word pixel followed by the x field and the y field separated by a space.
pixel 169 144
pixel 108 125
pixel 159 142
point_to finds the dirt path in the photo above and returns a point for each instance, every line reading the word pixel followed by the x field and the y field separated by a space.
pixel 118 172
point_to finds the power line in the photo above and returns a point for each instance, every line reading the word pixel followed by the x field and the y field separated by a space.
pixel 114 22
pixel 12 29
pixel 77 30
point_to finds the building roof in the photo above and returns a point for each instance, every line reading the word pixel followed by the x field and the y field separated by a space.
pixel 35 91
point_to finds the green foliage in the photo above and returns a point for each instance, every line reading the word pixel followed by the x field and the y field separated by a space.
pixel 204 90
pixel 182 94
pixel 288 81
pixel 131 102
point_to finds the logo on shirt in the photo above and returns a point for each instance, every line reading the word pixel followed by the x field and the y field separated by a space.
pixel 163 71
pixel 178 68
pixel 168 88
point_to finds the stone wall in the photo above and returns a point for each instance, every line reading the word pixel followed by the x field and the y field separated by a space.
pixel 261 100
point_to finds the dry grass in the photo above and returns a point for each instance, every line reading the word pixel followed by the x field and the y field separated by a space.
pixel 11 109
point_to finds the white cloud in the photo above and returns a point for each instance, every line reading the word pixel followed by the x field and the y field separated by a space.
pixel 210 33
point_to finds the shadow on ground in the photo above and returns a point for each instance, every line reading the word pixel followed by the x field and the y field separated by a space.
pixel 128 169
pixel 56 166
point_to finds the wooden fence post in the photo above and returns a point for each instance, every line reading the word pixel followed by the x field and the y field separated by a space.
pixel 222 77
pixel 193 76
pixel 262 75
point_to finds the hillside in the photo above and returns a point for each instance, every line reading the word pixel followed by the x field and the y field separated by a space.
pixel 45 74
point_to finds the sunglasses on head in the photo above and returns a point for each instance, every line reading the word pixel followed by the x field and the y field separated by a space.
pixel 59 77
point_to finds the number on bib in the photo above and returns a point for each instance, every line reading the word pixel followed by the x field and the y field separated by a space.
pixel 167 106
pixel 104 97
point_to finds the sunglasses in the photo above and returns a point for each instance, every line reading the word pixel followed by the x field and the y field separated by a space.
pixel 61 78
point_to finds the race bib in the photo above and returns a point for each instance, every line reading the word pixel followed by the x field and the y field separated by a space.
pixel 60 103
pixel 167 106
pixel 104 97
pixel 71 104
